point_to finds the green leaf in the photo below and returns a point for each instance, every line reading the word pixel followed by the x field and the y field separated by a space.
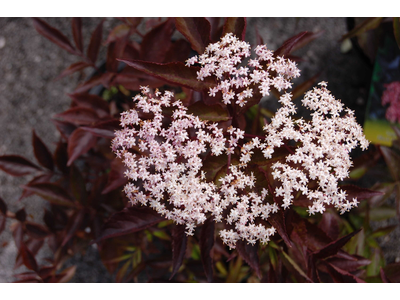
pixel 396 30
pixel 392 160
pixel 383 231
pixel 368 24
pixel 296 266
pixel 380 213
pixel 377 261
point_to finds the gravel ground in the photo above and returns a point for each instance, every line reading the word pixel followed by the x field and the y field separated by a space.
pixel 30 96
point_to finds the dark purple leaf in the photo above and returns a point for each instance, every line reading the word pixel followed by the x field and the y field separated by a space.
pixel 288 45
pixel 175 73
pixel 214 113
pixel 75 222
pixel 53 35
pixel 20 215
pixel 65 128
pixel 116 177
pixel 95 42
pixel 178 51
pixel 46 272
pixel 3 207
pixel 75 67
pixel 216 29
pixel 79 143
pixel 303 87
pixel 3 214
pixel 196 31
pixel 392 160
pixel 353 191
pixel 77 185
pixel 40 178
pixel 18 234
pixel 306 39
pixel 341 276
pixel 34 246
pixel 129 220
pixel 36 231
pixel 206 244
pixel 396 29
pixel 392 272
pixel 249 254
pixel 329 224
pixel 51 192
pixel 79 116
pixel 349 265
pixel 90 83
pixel 157 41
pixel 278 221
pixel 115 50
pixel 49 220
pixel 16 165
pixel 104 129
pixel 28 258
pixel 94 102
pixel 41 152
pixel 61 157
pixel 368 24
pixel 235 25
pixel 133 82
pixel 384 277
pixel 333 247
pixel 77 33
pixel 118 32
pixel 179 243
pixel 67 274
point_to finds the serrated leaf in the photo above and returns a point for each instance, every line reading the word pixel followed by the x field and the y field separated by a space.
pixel 396 29
pixel 196 31
pixel 249 254
pixel 156 42
pixel 235 25
pixel 53 35
pixel 179 244
pixel 16 165
pixel 41 152
pixel 333 247
pixel 51 192
pixel 79 142
pixel 175 73
pixel 214 113
pixel 95 42
pixel 129 220
pixel 368 24
pixel 206 244
pixel 116 177
pixel 117 32
pixel 75 67
pixel 289 44
pixel 94 102
pixel 79 116
pixel 77 33
pixel 36 231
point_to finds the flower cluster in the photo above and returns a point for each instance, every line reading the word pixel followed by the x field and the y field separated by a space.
pixel 166 168
pixel 222 59
pixel 391 96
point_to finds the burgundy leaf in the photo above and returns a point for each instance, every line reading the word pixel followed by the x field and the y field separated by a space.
pixel 46 272
pixel 53 35
pixel 95 42
pixel 67 274
pixel 75 222
pixel 90 83
pixel 353 191
pixel 104 129
pixel 179 243
pixel 306 39
pixel 36 231
pixel 3 220
pixel 65 128
pixel 41 152
pixel 115 50
pixel 94 102
pixel 216 30
pixel 34 246
pixel 77 185
pixel 118 32
pixel 18 234
pixel 61 157
pixel 28 258
pixel 196 31
pixel 329 224
pixel 79 143
pixel 79 115
pixel 392 272
pixel 129 220
pixel 3 206
pixel 349 265
pixel 157 41
pixel 175 73
pixel 278 221
pixel 215 113
pixel 249 254
pixel 206 244
pixel 333 247
pixel 288 45
pixel 20 215
pixel 75 67
pixel 77 33
pixel 342 276
pixel 116 177
pixel 16 165
pixel 384 277
pixel 237 26
pixel 392 160
pixel 133 82
pixel 49 220
pixel 179 51
pixel 51 192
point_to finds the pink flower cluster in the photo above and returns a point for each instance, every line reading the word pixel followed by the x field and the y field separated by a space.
pixel 391 96
pixel 166 168
pixel 222 59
